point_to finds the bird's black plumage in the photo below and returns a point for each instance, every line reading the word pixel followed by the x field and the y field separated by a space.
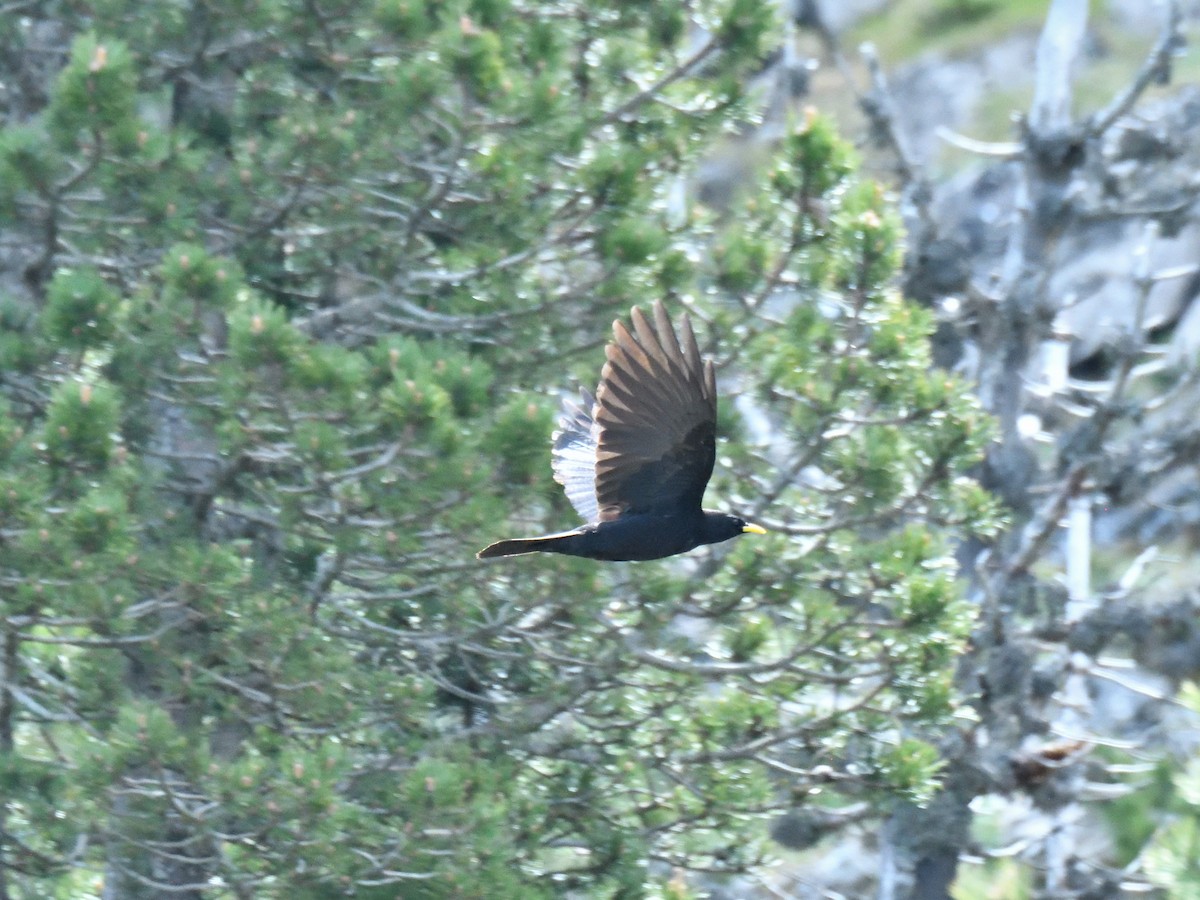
pixel 635 460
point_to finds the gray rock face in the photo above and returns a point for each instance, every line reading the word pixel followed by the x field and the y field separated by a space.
pixel 1147 165
pixel 937 91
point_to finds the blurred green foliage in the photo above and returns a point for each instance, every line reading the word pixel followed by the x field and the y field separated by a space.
pixel 1172 853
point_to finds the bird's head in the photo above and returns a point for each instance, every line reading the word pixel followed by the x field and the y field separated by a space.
pixel 722 526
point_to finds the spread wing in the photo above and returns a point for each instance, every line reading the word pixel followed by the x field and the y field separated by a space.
pixel 655 419
pixel 573 456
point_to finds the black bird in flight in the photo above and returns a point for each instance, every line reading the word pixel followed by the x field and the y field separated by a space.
pixel 635 460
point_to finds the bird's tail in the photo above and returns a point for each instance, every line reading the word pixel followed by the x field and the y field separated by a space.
pixel 517 546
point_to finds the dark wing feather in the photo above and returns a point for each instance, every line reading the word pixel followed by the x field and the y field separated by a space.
pixel 656 416
pixel 573 457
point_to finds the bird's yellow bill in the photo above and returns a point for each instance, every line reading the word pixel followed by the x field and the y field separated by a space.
pixel 751 528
